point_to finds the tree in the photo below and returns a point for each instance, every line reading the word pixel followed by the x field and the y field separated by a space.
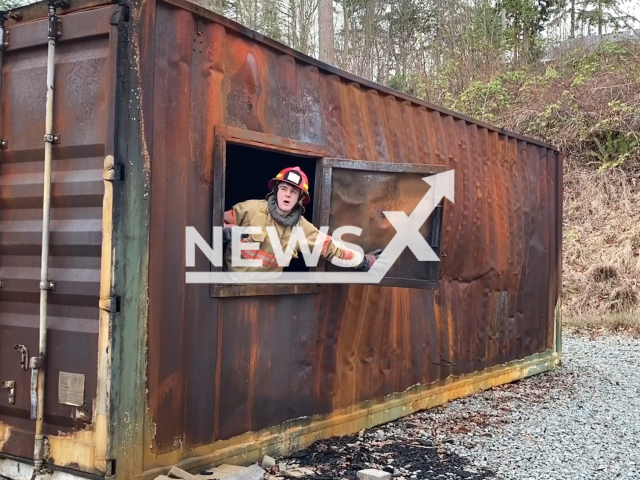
pixel 11 4
pixel 325 30
pixel 599 14
pixel 526 20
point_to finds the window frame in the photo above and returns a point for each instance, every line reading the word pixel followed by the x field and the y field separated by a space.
pixel 435 242
pixel 224 134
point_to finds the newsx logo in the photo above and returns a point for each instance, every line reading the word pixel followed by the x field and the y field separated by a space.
pixel 407 236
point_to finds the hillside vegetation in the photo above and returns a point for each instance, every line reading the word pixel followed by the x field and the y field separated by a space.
pixel 588 104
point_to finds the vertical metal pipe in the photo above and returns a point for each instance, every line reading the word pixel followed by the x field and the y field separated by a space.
pixel 3 39
pixel 44 268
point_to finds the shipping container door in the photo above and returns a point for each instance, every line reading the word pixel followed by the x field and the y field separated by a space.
pixel 358 193
pixel 83 118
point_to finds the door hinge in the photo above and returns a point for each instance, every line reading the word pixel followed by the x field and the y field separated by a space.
pixel 120 15
pixel 4 44
pixel 113 173
pixel 4 31
pixel 110 304
pixel 111 468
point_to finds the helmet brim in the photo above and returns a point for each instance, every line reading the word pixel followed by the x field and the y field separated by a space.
pixel 305 195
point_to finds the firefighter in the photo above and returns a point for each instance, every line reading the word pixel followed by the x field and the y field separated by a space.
pixel 283 209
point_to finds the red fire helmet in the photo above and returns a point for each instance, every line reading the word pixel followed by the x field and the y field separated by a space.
pixel 296 177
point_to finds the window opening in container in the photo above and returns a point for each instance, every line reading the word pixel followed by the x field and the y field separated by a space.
pixel 248 171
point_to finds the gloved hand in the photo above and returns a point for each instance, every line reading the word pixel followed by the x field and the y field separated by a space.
pixel 369 260
pixel 226 235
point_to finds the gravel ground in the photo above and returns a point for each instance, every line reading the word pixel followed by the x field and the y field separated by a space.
pixel 581 421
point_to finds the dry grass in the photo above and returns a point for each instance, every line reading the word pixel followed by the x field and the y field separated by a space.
pixel 594 323
pixel 601 264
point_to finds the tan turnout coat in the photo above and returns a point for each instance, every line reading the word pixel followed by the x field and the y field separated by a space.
pixel 255 213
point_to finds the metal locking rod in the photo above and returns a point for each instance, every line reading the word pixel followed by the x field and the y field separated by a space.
pixel 54 32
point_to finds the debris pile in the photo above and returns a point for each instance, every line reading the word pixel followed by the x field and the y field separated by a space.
pixel 402 450
pixel 396 451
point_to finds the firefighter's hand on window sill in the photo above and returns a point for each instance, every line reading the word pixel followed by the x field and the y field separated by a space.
pixel 226 235
pixel 369 260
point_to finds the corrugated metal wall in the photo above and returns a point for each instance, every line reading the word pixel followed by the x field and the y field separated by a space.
pixel 82 114
pixel 222 367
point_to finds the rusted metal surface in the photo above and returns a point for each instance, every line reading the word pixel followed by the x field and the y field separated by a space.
pixel 219 368
pixel 297 434
pixel 84 85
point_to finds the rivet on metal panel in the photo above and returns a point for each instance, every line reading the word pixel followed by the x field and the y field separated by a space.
pixel 4 144
pixel 52 138
pixel 1 283
pixel 48 285
pixel 11 386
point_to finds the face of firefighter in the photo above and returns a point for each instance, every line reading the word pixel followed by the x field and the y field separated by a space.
pixel 287 197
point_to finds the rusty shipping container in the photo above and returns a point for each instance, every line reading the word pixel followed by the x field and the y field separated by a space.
pixel 164 114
